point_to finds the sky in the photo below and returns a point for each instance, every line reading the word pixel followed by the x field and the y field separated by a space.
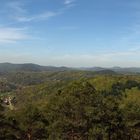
pixel 73 33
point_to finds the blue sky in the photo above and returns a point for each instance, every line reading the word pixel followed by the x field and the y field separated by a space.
pixel 70 32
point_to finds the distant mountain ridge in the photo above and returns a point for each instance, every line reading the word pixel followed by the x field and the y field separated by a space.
pixel 30 67
pixel 9 67
pixel 115 69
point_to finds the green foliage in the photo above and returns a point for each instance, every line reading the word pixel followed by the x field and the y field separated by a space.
pixel 70 105
pixel 81 112
pixel 30 123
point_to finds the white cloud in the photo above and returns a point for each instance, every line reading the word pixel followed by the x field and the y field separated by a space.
pixel 42 16
pixel 67 2
pixel 17 10
pixel 17 7
pixel 10 35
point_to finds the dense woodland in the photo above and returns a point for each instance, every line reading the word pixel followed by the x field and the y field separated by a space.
pixel 69 105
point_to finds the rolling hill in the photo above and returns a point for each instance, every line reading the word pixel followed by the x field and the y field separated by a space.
pixel 9 67
pixel 30 67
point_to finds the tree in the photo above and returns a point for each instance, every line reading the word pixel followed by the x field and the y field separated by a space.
pixel 81 112
pixel 30 122
pixel 68 112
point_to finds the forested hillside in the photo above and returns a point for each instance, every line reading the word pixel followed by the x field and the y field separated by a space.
pixel 69 105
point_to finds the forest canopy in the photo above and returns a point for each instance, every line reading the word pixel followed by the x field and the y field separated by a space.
pixel 69 105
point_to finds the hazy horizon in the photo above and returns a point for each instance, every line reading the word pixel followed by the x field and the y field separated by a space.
pixel 76 67
pixel 72 33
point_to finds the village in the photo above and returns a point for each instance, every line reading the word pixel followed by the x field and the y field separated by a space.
pixel 8 101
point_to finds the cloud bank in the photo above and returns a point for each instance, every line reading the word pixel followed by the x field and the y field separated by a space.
pixel 11 35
